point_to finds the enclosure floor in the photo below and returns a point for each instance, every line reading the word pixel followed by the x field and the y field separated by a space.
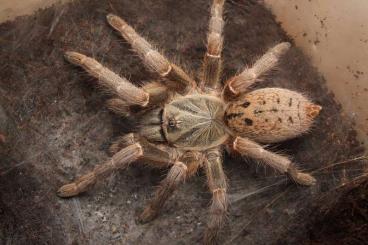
pixel 54 127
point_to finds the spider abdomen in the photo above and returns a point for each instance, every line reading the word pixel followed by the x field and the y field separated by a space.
pixel 194 122
pixel 271 115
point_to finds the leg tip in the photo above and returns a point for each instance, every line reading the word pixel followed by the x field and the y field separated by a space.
pixel 285 45
pixel 307 179
pixel 74 57
pixel 281 48
pixel 114 21
pixel 302 178
pixel 210 237
pixel 68 190
pixel 110 17
pixel 147 215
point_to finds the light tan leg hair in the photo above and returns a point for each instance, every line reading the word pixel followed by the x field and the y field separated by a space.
pixel 158 94
pixel 120 160
pixel 240 83
pixel 176 78
pixel 126 149
pixel 211 70
pixel 218 186
pixel 281 163
pixel 119 86
pixel 178 173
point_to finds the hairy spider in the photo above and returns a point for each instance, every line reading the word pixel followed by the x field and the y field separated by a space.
pixel 186 126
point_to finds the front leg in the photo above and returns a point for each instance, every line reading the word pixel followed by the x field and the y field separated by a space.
pixel 175 78
pixel 158 95
pixel 281 163
pixel 109 80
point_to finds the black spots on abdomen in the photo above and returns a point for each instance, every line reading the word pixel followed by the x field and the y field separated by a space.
pixel 233 115
pixel 290 102
pixel 246 104
pixel 258 111
pixel 248 121
pixel 290 120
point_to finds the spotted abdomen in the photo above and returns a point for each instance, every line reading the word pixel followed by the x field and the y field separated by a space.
pixel 271 115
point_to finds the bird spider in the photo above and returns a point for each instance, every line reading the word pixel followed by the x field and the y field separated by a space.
pixel 186 125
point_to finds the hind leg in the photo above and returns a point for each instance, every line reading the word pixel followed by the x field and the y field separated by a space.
pixel 281 163
pixel 241 82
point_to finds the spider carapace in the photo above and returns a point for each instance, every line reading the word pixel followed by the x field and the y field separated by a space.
pixel 193 122
pixel 184 125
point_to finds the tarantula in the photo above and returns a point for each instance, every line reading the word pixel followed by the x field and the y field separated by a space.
pixel 186 126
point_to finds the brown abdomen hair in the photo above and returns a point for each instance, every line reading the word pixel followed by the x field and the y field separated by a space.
pixel 271 115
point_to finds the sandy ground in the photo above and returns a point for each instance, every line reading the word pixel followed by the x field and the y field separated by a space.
pixel 54 126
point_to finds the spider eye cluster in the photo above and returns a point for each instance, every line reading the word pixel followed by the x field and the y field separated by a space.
pixel 172 123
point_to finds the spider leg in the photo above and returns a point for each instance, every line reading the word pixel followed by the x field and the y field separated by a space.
pixel 120 86
pixel 178 173
pixel 120 160
pixel 158 95
pixel 154 155
pixel 218 186
pixel 240 83
pixel 175 78
pixel 211 68
pixel 278 162
pixel 132 151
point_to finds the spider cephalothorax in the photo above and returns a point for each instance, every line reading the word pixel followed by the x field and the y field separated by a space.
pixel 186 125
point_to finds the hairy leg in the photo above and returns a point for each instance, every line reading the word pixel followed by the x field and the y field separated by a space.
pixel 281 163
pixel 158 155
pixel 120 160
pixel 158 94
pixel 130 150
pixel 119 86
pixel 211 69
pixel 218 186
pixel 178 173
pixel 176 79
pixel 240 83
